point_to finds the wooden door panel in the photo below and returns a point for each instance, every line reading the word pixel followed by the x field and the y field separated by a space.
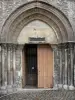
pixel 45 66
pixel 40 69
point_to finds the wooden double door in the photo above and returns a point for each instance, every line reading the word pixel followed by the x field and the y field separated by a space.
pixel 38 65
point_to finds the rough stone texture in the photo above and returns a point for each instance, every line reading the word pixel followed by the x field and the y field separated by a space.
pixel 43 12
pixel 68 8
pixel 18 68
pixel 74 65
pixel 56 66
pixel 63 63
pixel 0 66
pixel 40 95
pixel 7 72
pixel 61 75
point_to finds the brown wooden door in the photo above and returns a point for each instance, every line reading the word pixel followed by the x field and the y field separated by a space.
pixel 45 66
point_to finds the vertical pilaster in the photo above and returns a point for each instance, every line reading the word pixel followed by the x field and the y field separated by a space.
pixel 3 74
pixel 69 66
pixel 8 81
pixel 21 53
pixel 14 65
pixel 72 65
pixel 63 65
pixel 9 65
pixel 11 61
pixel 6 64
pixel 61 71
pixel 66 68
pixel 0 67
pixel 55 76
pixel 18 65
pixel 21 66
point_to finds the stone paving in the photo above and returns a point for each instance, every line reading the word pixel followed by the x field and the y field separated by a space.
pixel 40 95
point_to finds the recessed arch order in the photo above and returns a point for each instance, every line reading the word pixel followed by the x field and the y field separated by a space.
pixel 36 10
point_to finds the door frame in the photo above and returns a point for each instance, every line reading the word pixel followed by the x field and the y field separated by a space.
pixel 24 65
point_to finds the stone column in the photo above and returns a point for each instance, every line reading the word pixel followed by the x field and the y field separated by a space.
pixel 6 64
pixel 72 65
pixel 61 71
pixel 66 68
pixel 3 75
pixel 69 66
pixel 14 65
pixel 9 65
pixel 0 67
pixel 21 48
pixel 55 76
pixel 63 65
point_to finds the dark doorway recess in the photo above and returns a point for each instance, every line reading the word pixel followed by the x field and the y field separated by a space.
pixel 31 65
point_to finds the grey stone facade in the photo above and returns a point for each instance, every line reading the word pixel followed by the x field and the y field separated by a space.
pixel 14 15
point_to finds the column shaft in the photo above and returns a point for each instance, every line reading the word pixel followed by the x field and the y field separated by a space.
pixel 61 79
pixel 9 74
pixel 0 68
pixel 14 66
pixel 66 71
pixel 21 68
pixel 72 67
pixel 3 75
pixel 55 55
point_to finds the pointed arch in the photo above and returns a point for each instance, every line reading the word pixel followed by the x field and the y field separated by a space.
pixel 36 10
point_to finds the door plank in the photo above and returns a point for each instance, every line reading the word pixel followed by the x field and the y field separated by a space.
pixel 40 69
pixel 45 66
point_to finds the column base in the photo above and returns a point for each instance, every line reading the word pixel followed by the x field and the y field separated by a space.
pixel 55 87
pixel 3 89
pixel 71 87
pixel 66 87
pixel 60 86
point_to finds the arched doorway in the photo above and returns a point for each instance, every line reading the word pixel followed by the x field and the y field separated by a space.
pixel 60 33
pixel 37 54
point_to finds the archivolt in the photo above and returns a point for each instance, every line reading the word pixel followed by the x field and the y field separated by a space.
pixel 32 11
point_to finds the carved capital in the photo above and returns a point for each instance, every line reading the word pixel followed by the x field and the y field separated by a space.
pixel 14 46
pixel 54 47
pixel 21 47
pixel 71 45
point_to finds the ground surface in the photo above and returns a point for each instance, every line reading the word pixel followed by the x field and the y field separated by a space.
pixel 40 95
